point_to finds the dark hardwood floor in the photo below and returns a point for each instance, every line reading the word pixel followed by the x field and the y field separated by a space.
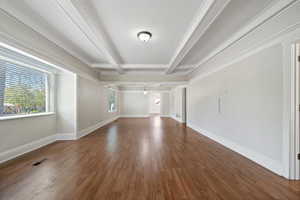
pixel 141 159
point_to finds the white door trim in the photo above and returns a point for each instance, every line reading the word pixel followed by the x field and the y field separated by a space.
pixel 297 117
pixel 293 150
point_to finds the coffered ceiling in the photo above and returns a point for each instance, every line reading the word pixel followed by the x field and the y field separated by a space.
pixel 103 33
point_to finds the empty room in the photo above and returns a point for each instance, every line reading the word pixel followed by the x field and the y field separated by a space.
pixel 149 99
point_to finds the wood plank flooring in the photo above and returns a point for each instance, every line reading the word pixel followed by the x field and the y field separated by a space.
pixel 141 159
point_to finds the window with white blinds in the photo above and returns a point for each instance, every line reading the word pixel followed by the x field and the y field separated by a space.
pixel 23 90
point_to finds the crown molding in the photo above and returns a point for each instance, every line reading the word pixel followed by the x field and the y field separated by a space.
pixel 144 82
pixel 103 66
pixel 272 11
pixel 130 66
pixel 207 14
pixel 142 90
pixel 108 69
pixel 149 86
pixel 95 34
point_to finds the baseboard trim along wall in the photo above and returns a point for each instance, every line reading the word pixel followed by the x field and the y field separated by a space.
pixel 91 129
pixel 26 148
pixel 18 151
pixel 177 119
pixel 260 159
pixel 165 116
pixel 134 116
pixel 66 136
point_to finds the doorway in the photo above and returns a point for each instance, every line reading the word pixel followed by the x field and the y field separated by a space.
pixel 155 103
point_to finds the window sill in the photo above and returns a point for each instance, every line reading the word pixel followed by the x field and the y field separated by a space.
pixel 26 116
pixel 112 111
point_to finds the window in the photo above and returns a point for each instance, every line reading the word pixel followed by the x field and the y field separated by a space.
pixel 23 90
pixel 112 101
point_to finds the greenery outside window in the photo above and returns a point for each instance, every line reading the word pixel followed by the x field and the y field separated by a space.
pixel 112 101
pixel 23 90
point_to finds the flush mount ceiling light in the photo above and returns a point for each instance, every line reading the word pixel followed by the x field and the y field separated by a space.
pixel 144 36
pixel 145 91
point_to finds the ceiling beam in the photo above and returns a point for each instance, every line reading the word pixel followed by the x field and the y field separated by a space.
pixel 173 83
pixel 93 31
pixel 107 69
pixel 132 66
pixel 269 13
pixel 207 14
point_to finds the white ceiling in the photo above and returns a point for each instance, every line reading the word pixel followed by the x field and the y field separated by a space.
pixel 167 20
pixel 236 15
pixel 102 33
pixel 47 18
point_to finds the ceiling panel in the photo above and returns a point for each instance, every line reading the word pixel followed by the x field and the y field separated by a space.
pixel 168 20
pixel 236 15
pixel 47 18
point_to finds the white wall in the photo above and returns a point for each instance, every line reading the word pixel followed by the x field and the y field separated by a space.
pixel 92 104
pixel 177 104
pixel 242 106
pixel 66 103
pixel 134 104
pixel 17 132
pixel 165 103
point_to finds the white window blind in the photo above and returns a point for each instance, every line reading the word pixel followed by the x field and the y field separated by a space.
pixel 23 90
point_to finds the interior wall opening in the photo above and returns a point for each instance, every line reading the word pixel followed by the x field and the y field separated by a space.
pixel 155 103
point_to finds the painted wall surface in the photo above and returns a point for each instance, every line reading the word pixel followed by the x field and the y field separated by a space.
pixel 243 103
pixel 176 104
pixel 17 132
pixel 92 103
pixel 66 103
pixel 134 103
pixel 165 103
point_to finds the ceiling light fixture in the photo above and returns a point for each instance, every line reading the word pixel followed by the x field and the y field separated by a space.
pixel 144 36
pixel 145 91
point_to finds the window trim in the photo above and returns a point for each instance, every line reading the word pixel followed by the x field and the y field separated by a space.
pixel 26 116
pixel 24 64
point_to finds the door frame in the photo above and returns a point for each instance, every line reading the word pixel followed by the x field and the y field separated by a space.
pixel 294 164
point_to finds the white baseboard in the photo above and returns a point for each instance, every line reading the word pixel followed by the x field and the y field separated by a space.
pixel 165 116
pixel 91 129
pixel 260 159
pixel 134 116
pixel 66 136
pixel 177 119
pixel 18 151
